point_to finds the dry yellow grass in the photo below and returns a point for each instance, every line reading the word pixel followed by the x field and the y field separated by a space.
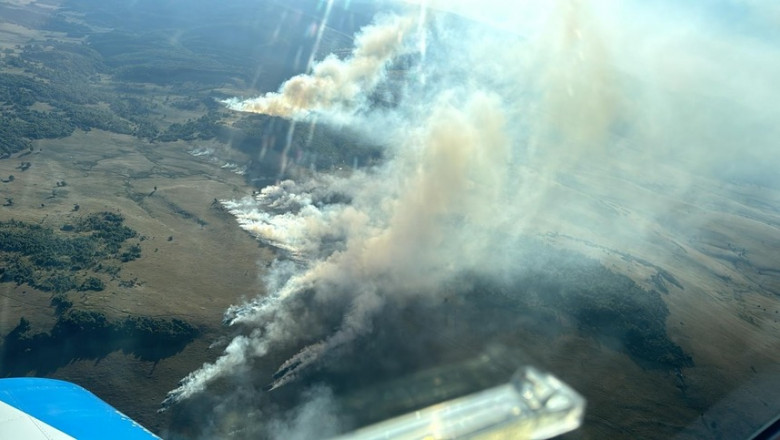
pixel 195 276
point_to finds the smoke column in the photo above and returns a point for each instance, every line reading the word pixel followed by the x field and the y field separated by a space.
pixel 484 150
pixel 335 83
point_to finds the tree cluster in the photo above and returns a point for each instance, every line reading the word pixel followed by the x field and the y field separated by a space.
pixel 60 261
pixel 205 127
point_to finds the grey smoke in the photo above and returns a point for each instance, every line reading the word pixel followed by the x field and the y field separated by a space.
pixel 318 417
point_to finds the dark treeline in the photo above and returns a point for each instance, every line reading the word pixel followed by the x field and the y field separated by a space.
pixel 83 334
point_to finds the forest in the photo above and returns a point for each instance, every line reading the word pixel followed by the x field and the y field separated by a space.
pixel 149 85
pixel 50 89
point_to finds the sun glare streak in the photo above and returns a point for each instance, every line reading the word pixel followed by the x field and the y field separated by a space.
pixel 320 31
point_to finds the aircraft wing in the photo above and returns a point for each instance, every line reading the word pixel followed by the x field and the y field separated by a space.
pixel 48 409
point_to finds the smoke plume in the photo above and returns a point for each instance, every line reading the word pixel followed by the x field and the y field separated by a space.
pixel 335 83
pixel 540 117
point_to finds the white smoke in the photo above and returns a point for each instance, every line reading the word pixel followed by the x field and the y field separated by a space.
pixel 480 153
pixel 233 360
pixel 335 83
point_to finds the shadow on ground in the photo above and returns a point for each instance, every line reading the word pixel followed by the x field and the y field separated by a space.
pixel 79 335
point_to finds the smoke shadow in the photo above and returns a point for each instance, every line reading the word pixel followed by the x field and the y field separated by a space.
pixel 473 334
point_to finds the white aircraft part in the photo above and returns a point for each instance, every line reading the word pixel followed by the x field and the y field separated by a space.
pixel 16 424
